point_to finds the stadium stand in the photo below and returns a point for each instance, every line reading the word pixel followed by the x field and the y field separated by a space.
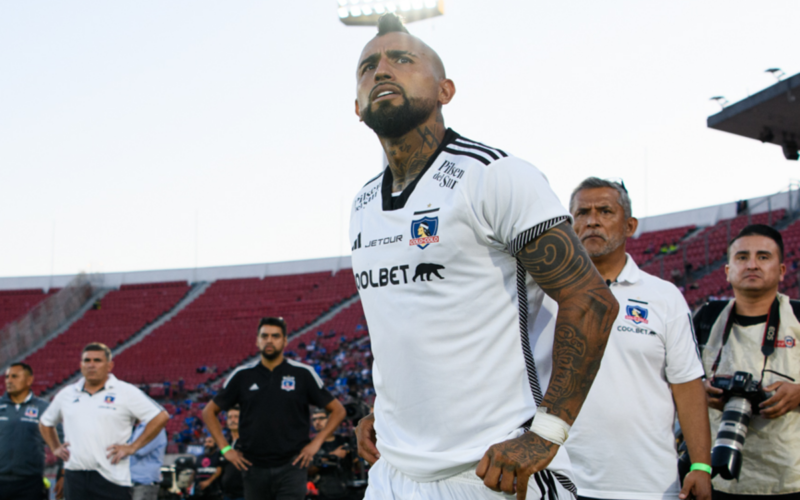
pixel 186 359
pixel 15 303
pixel 119 315
pixel 216 332
pixel 338 350
pixel 347 326
pixel 647 246
pixel 705 247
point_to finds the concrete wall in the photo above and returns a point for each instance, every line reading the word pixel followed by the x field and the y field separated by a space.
pixel 708 216
pixel 114 280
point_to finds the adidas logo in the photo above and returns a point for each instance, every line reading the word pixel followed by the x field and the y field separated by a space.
pixel 254 387
pixel 357 243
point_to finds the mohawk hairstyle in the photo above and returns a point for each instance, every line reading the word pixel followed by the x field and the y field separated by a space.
pixel 391 23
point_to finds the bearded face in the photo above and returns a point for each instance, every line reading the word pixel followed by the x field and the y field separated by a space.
pixel 392 121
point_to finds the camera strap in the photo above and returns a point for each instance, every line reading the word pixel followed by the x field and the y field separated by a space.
pixel 770 334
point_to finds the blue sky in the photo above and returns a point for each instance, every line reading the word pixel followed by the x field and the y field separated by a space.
pixel 153 135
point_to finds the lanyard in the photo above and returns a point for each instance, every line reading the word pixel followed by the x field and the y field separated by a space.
pixel 767 343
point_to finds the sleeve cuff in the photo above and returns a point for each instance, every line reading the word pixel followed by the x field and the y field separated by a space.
pixel 531 234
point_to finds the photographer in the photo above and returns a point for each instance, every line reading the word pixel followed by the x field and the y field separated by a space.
pixel 327 469
pixel 753 337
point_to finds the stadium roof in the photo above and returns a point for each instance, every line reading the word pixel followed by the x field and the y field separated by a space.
pixel 772 115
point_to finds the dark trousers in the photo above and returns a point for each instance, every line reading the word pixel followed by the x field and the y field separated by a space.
pixel 90 485
pixel 719 495
pixel 26 488
pixel 286 482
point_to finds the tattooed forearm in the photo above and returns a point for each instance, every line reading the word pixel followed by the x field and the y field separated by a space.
pixel 586 310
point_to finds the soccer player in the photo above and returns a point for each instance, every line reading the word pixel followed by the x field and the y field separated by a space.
pixel 465 356
pixel 623 446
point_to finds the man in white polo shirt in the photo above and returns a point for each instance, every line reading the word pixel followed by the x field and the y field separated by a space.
pixel 98 413
pixel 622 444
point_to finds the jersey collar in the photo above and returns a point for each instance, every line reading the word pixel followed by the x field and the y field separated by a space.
pixel 6 397
pixel 397 202
pixel 279 367
pixel 111 382
pixel 630 273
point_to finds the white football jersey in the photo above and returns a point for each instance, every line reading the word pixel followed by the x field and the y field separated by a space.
pixel 452 315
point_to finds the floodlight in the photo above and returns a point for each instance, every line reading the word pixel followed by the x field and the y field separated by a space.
pixel 367 12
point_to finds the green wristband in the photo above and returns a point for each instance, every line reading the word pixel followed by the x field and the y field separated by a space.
pixel 702 467
pixel 228 448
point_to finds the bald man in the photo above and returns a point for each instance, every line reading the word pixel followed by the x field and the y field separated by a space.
pixel 455 245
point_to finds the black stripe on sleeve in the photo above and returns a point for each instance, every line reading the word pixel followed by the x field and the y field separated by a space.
pixel 531 234
pixel 479 148
pixel 500 151
pixel 375 178
pixel 467 153
pixel 527 352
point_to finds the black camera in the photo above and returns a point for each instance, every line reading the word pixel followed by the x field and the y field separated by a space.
pixel 177 479
pixel 742 394
pixel 324 460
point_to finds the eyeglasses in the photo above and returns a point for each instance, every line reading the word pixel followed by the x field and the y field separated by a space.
pixel 314 419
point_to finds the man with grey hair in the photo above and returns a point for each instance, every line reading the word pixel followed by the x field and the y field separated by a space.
pixel 98 412
pixel 622 443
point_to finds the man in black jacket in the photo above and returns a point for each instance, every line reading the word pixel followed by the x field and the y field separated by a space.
pixel 21 444
pixel 274 394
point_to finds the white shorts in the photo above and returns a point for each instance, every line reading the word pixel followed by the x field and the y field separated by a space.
pixel 387 483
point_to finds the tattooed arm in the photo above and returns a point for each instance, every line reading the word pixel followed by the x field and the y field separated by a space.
pixel 586 310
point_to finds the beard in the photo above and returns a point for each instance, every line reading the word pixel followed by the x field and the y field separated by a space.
pixel 270 356
pixel 609 245
pixel 396 121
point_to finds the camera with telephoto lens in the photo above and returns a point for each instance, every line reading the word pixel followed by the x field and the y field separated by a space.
pixel 742 394
pixel 177 479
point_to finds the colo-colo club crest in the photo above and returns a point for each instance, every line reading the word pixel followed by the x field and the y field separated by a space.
pixel 287 384
pixel 424 232
pixel 637 314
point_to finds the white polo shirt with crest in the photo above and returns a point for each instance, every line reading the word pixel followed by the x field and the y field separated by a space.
pixel 622 444
pixel 462 347
pixel 93 422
